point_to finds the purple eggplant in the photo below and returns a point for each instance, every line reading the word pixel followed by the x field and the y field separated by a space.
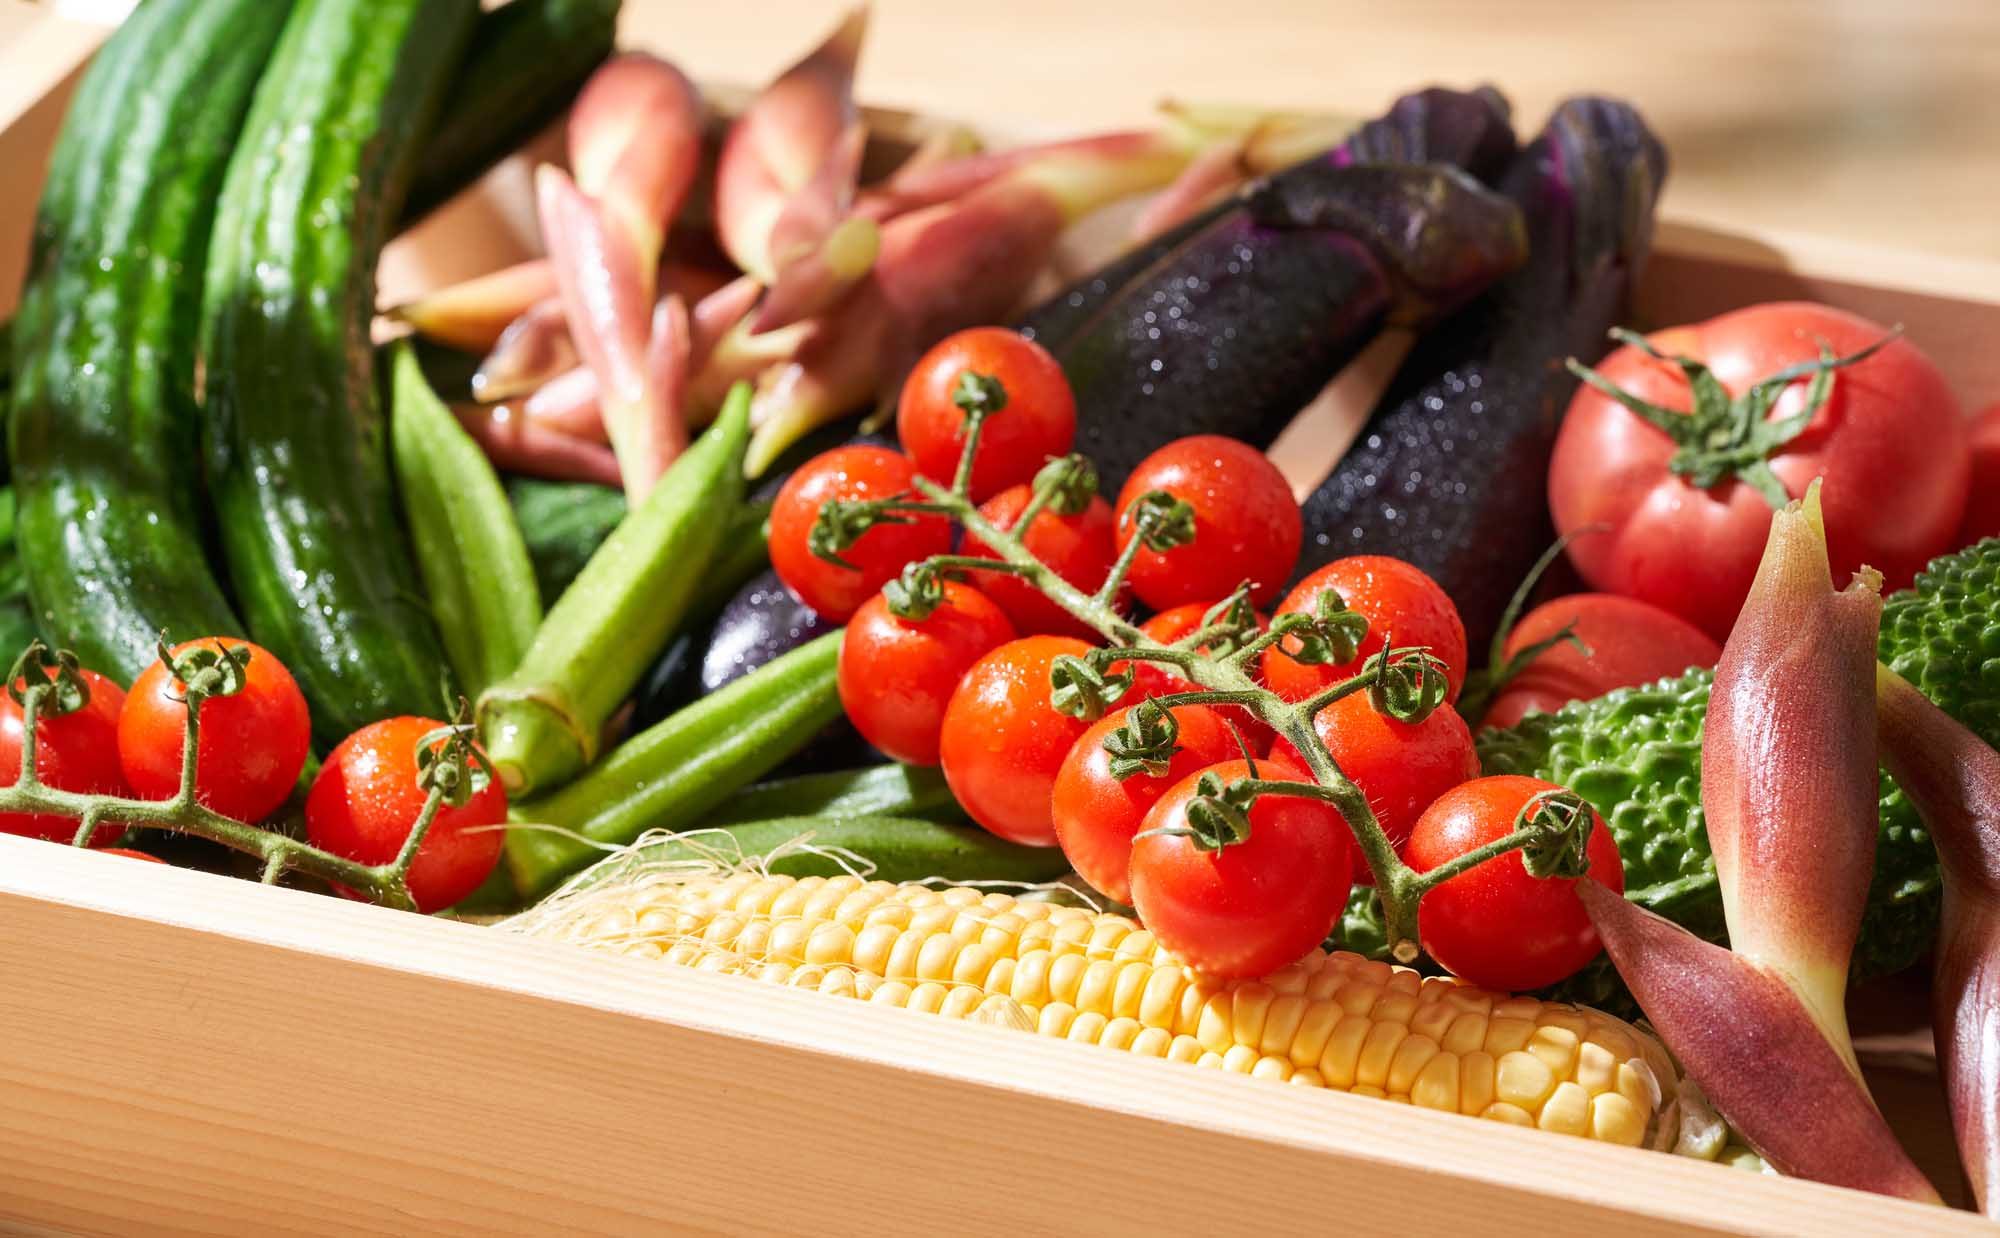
pixel 1231 322
pixel 1448 473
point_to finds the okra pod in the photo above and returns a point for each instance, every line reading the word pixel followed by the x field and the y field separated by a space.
pixel 477 575
pixel 676 774
pixel 541 725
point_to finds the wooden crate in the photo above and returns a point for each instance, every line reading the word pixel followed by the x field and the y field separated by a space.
pixel 184 1053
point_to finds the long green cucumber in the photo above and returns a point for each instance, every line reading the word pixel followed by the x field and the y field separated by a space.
pixel 891 790
pixel 541 724
pixel 476 571
pixel 526 61
pixel 672 775
pixel 897 848
pixel 104 424
pixel 297 459
pixel 17 621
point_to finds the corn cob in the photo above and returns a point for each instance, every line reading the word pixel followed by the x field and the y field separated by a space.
pixel 1330 1020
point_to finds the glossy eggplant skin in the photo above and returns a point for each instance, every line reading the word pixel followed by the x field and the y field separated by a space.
pixel 1449 471
pixel 1232 322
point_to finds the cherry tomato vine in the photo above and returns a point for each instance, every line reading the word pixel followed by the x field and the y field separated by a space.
pixel 47 683
pixel 1217 660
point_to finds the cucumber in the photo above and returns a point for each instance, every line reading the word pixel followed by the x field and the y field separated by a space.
pixel 526 61
pixel 873 791
pixel 104 426
pixel 17 622
pixel 296 451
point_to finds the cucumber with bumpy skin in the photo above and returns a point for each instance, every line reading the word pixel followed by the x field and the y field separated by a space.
pixel 297 459
pixel 104 422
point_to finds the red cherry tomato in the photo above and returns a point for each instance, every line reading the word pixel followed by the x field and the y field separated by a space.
pixel 1403 767
pixel 1247 525
pixel 1631 642
pixel 253 744
pixel 1096 813
pixel 1253 907
pixel 1889 441
pixel 1494 925
pixel 848 474
pixel 1401 604
pixel 1152 679
pixel 1037 422
pixel 366 798
pixel 897 675
pixel 1077 547
pixel 130 854
pixel 1982 510
pixel 76 751
pixel 1003 743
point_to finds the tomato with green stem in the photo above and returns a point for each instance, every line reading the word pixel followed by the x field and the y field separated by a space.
pixel 1402 767
pixel 1624 642
pixel 1020 391
pixel 1683 443
pixel 852 474
pixel 74 751
pixel 1116 771
pixel 1076 546
pixel 1247 524
pixel 1003 742
pixel 367 798
pixel 1399 601
pixel 898 674
pixel 1496 925
pixel 253 742
pixel 1154 679
pixel 1239 893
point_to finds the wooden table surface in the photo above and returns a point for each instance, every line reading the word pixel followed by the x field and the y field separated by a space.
pixel 1870 121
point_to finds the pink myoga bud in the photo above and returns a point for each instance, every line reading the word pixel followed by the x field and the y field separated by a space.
pixel 635 142
pixel 1756 1050
pixel 1952 776
pixel 1212 174
pixel 1788 764
pixel 786 171
pixel 534 347
pixel 516 445
pixel 472 315
pixel 567 404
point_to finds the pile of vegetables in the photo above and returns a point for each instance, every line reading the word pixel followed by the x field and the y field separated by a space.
pixel 562 594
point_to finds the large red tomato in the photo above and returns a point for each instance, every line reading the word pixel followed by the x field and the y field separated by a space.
pixel 1889 442
pixel 1982 512
pixel 1630 643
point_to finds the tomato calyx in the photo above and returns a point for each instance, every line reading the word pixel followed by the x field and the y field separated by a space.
pixel 978 395
pixel 53 678
pixel 208 671
pixel 449 765
pixel 1722 436
pixel 1085 687
pixel 1162 521
pixel 1146 743
pixel 1065 486
pixel 1330 636
pixel 916 593
pixel 1217 817
pixel 1558 824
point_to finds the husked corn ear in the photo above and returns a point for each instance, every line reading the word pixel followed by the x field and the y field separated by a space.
pixel 1330 1020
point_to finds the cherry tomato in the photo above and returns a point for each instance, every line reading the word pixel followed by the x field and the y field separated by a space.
pixel 897 675
pixel 253 744
pixel 130 854
pixel 1400 602
pixel 1494 925
pixel 1631 642
pixel 1401 766
pixel 1247 525
pixel 1096 813
pixel 1982 511
pixel 76 751
pixel 1889 441
pixel 366 798
pixel 1037 422
pixel 1077 547
pixel 1003 743
pixel 1152 679
pixel 847 474
pixel 1250 908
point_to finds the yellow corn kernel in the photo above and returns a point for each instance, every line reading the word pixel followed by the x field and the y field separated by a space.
pixel 1328 1020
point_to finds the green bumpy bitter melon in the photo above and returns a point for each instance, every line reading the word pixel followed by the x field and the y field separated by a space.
pixel 1635 754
